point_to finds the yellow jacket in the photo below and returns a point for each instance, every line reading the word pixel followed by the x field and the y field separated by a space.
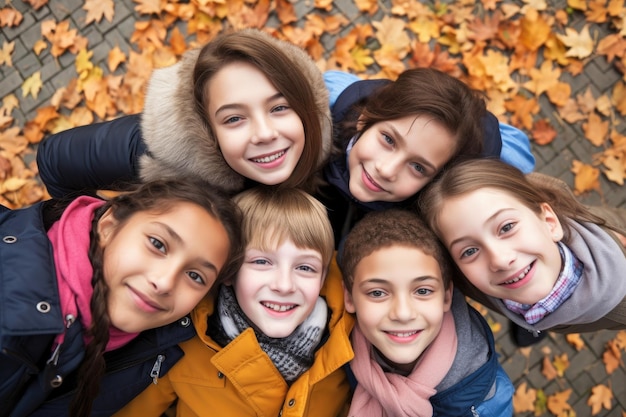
pixel 241 380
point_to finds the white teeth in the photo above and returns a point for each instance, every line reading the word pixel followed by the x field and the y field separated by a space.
pixel 405 334
pixel 270 158
pixel 279 308
pixel 520 276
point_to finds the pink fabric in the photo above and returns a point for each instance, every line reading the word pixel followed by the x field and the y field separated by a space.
pixel 387 394
pixel 70 240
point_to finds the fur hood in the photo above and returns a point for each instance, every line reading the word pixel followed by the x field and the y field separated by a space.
pixel 177 138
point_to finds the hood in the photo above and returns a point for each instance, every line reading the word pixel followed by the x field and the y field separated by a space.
pixel 179 141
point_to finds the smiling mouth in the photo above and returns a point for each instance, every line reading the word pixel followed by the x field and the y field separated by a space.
pixel 372 181
pixel 280 308
pixel 269 158
pixel 520 276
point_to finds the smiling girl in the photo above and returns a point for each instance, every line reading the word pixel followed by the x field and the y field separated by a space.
pixel 246 108
pixel 275 340
pixel 528 249
pixel 393 137
pixel 95 294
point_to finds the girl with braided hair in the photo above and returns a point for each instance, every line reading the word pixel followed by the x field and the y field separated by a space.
pixel 95 294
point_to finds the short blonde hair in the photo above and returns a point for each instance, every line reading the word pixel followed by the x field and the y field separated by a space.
pixel 272 215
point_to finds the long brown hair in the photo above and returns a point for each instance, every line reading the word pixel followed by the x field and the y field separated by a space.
pixel 157 196
pixel 262 51
pixel 474 174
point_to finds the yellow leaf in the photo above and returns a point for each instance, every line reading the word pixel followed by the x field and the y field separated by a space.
pixel 577 4
pixel 83 64
pixel 39 46
pixel 361 58
pixel 32 85
pixel 561 363
pixel 580 44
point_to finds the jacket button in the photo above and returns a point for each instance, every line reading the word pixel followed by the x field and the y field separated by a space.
pixel 292 402
pixel 185 322
pixel 220 375
pixel 9 239
pixel 43 307
pixel 56 381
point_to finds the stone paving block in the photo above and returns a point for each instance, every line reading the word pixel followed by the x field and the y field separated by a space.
pixel 115 38
pixel 596 341
pixel 10 83
pixel 127 27
pixel 30 36
pixel 579 362
pixel 63 9
pixel 12 32
pixel 29 104
pixel 515 365
pixel 582 384
pixel 601 78
pixel 348 9
pixel 63 77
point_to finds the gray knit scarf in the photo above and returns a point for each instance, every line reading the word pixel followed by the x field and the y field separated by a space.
pixel 292 355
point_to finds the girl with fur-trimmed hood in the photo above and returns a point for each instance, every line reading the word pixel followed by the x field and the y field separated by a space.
pixel 237 111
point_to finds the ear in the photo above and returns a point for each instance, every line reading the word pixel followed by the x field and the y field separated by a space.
pixel 360 123
pixel 447 298
pixel 107 225
pixel 347 300
pixel 552 222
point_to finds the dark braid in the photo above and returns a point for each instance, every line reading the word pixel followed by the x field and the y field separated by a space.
pixel 93 365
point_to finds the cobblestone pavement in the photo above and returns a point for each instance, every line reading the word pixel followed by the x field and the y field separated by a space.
pixel 586 368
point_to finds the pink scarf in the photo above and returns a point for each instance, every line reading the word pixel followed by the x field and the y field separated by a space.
pixel 70 240
pixel 380 393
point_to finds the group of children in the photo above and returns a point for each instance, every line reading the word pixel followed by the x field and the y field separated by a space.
pixel 276 326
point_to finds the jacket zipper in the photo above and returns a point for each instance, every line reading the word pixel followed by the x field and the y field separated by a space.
pixel 156 369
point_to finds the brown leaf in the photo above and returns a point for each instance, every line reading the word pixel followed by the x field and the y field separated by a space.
pixel 10 17
pixel 37 4
pixel 612 357
pixel 543 133
pixel 547 369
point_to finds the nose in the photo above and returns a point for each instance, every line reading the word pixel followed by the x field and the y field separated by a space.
pixel 282 282
pixel 163 281
pixel 402 309
pixel 264 130
pixel 388 167
pixel 501 258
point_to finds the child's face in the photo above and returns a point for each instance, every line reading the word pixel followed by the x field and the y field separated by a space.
pixel 260 135
pixel 277 289
pixel 504 248
pixel 158 266
pixel 399 300
pixel 395 159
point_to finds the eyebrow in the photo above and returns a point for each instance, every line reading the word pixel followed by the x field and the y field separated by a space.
pixel 176 237
pixel 237 106
pixel 402 139
pixel 489 219
pixel 385 281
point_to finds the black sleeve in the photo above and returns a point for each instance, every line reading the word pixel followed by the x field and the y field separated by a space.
pixel 86 158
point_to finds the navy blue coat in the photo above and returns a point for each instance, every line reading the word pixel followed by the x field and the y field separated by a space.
pixel 34 380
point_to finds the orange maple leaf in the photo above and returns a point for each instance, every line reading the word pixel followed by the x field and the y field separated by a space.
pixel 575 340
pixel 547 369
pixel 601 396
pixel 535 30
pixel 286 12
pixel 523 110
pixel 619 97
pixel 597 11
pixel 596 129
pixel 115 58
pixel 369 6
pixel 390 32
pixel 557 403
pixel 586 177
pixel 10 17
pixel 149 6
pixel 615 168
pixel 612 357
pixel 97 9
pixel 5 53
pixel 37 4
pixel 524 398
pixel 544 78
